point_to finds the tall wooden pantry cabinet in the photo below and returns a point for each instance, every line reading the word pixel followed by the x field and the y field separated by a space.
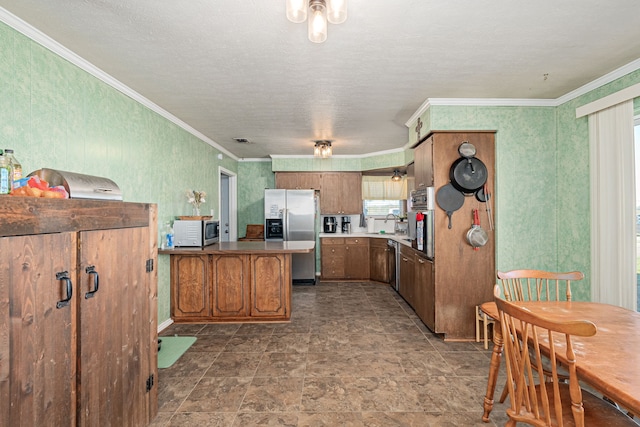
pixel 78 312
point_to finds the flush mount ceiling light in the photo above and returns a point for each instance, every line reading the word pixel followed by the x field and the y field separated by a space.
pixel 322 148
pixel 320 11
pixel 396 176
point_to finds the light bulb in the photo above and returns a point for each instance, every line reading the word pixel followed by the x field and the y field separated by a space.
pixel 317 21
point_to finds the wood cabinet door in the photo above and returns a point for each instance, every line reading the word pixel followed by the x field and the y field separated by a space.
pixel 331 193
pixel 309 180
pixel 425 292
pixel 287 180
pixel 423 163
pixel 190 286
pixel 114 327
pixel 37 334
pixel 332 261
pixel 230 280
pixel 351 193
pixel 356 258
pixel 407 276
pixel 270 284
pixel 379 260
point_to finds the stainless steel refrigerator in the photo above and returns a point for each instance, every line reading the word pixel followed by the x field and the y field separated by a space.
pixel 290 215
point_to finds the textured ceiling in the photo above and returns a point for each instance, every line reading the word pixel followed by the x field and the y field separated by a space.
pixel 232 68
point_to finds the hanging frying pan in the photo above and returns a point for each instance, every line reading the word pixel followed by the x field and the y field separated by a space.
pixel 468 175
pixel 449 199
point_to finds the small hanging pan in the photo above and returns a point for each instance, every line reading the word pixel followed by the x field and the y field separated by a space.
pixel 449 199
pixel 467 150
pixel 477 236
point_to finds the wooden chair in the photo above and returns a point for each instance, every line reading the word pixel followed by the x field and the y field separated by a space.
pixel 535 401
pixel 537 285
pixel 255 232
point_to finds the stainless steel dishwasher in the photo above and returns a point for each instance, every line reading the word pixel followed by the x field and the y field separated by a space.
pixel 394 265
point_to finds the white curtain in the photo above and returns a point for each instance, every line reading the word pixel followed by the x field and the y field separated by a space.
pixel 613 206
pixel 383 188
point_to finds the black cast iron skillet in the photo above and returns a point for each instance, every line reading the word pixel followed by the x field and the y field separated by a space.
pixel 449 199
pixel 468 174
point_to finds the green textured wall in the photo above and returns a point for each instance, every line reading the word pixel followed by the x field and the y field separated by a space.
pixel 341 164
pixel 55 115
pixel 253 178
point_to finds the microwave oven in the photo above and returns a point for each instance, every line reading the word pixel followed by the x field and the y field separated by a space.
pixel 198 233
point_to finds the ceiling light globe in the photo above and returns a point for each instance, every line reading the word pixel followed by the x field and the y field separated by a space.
pixel 337 11
pixel 317 21
pixel 297 10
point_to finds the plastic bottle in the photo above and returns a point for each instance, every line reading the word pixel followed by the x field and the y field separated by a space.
pixel 15 164
pixel 168 235
pixel 6 175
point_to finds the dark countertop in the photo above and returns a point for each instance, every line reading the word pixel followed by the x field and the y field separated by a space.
pixel 245 248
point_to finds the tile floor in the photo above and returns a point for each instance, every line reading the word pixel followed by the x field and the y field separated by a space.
pixel 354 354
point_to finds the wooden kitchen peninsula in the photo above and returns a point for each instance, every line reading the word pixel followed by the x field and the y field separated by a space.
pixel 233 281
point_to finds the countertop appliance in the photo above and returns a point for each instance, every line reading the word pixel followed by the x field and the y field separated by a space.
pixel 421 220
pixel 346 224
pixel 81 186
pixel 196 233
pixel 290 215
pixel 329 224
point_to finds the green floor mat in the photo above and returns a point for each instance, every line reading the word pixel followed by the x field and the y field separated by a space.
pixel 172 348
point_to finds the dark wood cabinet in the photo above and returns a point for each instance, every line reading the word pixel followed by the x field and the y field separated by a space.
pixel 298 180
pixel 230 275
pixel 332 256
pixel 78 312
pixel 462 277
pixel 191 297
pixel 406 285
pixel 356 258
pixel 270 294
pixel 379 260
pixel 423 163
pixel 424 292
pixel 345 258
pixel 341 193
pixel 230 287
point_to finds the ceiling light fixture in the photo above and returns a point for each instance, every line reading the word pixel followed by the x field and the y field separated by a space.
pixel 320 11
pixel 396 176
pixel 322 148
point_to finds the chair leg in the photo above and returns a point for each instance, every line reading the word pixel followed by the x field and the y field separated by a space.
pixel 477 324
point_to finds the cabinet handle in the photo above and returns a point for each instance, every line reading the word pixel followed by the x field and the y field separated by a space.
pixel 420 261
pixel 405 259
pixel 96 281
pixel 64 275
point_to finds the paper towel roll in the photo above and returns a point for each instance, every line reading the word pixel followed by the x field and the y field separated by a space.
pixel 371 223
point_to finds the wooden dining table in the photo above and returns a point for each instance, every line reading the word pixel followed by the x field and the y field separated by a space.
pixel 609 361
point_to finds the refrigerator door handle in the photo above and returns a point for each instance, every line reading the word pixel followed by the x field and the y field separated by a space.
pixel 285 223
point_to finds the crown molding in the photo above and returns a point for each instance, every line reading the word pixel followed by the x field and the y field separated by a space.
pixel 58 49
pixel 509 102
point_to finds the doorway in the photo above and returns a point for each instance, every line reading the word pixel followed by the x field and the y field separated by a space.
pixel 636 137
pixel 228 205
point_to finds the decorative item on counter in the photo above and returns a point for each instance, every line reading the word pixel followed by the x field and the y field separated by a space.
pixel 6 175
pixel 15 164
pixel 167 241
pixel 35 186
pixel 196 198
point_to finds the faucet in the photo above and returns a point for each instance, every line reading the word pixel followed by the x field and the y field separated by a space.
pixel 394 216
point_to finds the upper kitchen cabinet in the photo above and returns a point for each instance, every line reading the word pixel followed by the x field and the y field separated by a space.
pixel 298 180
pixel 341 193
pixel 423 163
